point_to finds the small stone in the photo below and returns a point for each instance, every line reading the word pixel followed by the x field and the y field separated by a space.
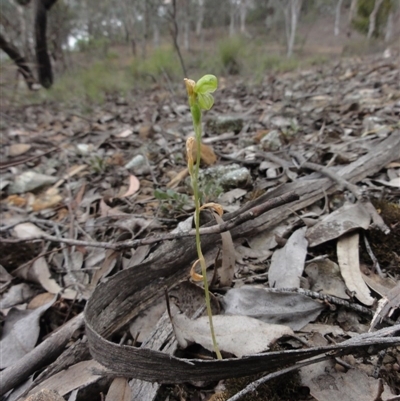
pixel 272 141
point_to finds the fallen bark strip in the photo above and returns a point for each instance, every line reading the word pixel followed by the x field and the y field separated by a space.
pixel 45 353
pixel 117 301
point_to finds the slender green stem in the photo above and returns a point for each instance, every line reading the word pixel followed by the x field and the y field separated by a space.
pixel 194 175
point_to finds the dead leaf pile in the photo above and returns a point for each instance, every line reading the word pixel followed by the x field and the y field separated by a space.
pixel 97 217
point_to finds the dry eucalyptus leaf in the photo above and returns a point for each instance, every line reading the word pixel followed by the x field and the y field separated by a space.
pixel 20 333
pixel 16 294
pixel 27 230
pixel 134 186
pixel 343 220
pixel 287 263
pixel 354 385
pixel 40 273
pixel 77 376
pixel 227 271
pixel 348 258
pixel 379 284
pixel 238 335
pixel 324 276
pixel 323 329
pixel 45 395
pixel 395 182
pixel 119 390
pixel 5 277
pixel 291 309
pixel 18 149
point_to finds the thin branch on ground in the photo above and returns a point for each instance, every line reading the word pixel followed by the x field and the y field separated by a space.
pixel 215 229
pixel 253 386
pixel 344 184
pixel 330 299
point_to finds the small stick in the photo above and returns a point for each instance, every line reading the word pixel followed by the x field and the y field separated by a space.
pixel 215 229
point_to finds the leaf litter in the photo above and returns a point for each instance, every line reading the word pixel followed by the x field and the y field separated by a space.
pixel 123 154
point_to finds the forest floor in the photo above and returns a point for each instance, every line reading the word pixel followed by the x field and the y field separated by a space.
pixel 96 235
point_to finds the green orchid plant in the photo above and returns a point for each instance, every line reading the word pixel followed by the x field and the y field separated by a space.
pixel 200 98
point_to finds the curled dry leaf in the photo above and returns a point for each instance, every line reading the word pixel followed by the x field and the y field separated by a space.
pixel 347 253
pixel 134 186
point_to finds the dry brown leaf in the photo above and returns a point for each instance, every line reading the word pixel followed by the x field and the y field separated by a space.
pixel 45 395
pixel 47 200
pixel 119 390
pixel 76 376
pixel 18 149
pixel 27 230
pixel 178 178
pixel 207 155
pixel 134 185
pixel 40 273
pixel 227 270
pixel 348 259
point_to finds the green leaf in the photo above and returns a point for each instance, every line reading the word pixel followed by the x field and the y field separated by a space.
pixel 206 84
pixel 206 100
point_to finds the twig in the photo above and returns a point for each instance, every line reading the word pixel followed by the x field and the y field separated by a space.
pixel 253 386
pixel 329 298
pixel 40 356
pixel 215 229
pixel 28 159
pixel 373 257
pixel 344 184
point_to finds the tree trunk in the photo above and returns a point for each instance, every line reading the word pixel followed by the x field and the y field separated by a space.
pixel 200 17
pixel 174 30
pixel 45 72
pixel 372 18
pixel 294 11
pixel 186 25
pixel 156 34
pixel 337 17
pixel 19 60
pixel 389 27
pixel 352 12
pixel 243 14
pixel 232 20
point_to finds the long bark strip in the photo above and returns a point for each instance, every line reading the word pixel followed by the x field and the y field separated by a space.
pixel 117 301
